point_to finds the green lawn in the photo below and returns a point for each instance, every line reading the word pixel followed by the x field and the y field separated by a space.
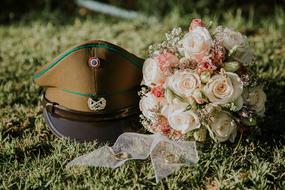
pixel 31 157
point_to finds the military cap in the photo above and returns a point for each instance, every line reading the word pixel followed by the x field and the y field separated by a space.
pixel 91 92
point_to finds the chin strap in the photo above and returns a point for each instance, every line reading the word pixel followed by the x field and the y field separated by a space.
pixel 166 155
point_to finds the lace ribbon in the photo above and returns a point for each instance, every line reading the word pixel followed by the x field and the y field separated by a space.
pixel 166 155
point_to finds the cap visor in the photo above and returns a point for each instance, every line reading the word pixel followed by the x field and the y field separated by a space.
pixel 84 131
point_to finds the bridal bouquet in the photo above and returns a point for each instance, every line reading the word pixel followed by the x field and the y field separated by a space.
pixel 198 83
pixel 194 84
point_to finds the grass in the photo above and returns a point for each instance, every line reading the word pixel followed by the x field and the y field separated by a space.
pixel 31 157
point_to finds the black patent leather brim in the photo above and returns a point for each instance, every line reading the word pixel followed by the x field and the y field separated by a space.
pixel 84 131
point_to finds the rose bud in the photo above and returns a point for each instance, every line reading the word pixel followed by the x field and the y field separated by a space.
pixel 196 22
pixel 205 76
pixel 201 134
pixel 198 96
pixel 158 91
pixel 232 66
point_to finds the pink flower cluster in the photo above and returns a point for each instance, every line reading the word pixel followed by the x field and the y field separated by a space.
pixel 162 126
pixel 167 62
pixel 158 91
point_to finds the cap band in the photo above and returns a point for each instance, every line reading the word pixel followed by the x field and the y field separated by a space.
pixel 67 113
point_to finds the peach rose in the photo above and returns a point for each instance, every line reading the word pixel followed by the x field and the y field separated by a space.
pixel 197 43
pixel 152 75
pixel 179 119
pixel 223 88
pixel 184 82
pixel 223 127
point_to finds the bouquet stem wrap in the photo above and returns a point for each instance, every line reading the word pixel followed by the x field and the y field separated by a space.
pixel 166 155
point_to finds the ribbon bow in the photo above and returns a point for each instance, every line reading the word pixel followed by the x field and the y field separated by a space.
pixel 166 155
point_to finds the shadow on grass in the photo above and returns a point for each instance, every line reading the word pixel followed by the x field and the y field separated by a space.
pixel 274 122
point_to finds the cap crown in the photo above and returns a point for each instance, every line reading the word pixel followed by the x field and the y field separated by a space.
pixel 93 74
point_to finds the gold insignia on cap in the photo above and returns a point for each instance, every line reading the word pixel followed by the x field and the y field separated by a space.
pixel 97 105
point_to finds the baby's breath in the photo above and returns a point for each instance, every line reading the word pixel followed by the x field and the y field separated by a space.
pixel 144 90
pixel 171 44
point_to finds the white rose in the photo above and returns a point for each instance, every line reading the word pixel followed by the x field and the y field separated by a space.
pixel 223 126
pixel 151 73
pixel 223 88
pixel 180 119
pixel 148 104
pixel 184 82
pixel 256 97
pixel 197 43
pixel 232 39
pixel 246 56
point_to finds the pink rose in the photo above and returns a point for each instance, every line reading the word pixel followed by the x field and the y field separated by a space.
pixel 196 22
pixel 158 91
pixel 166 61
pixel 161 126
pixel 206 65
